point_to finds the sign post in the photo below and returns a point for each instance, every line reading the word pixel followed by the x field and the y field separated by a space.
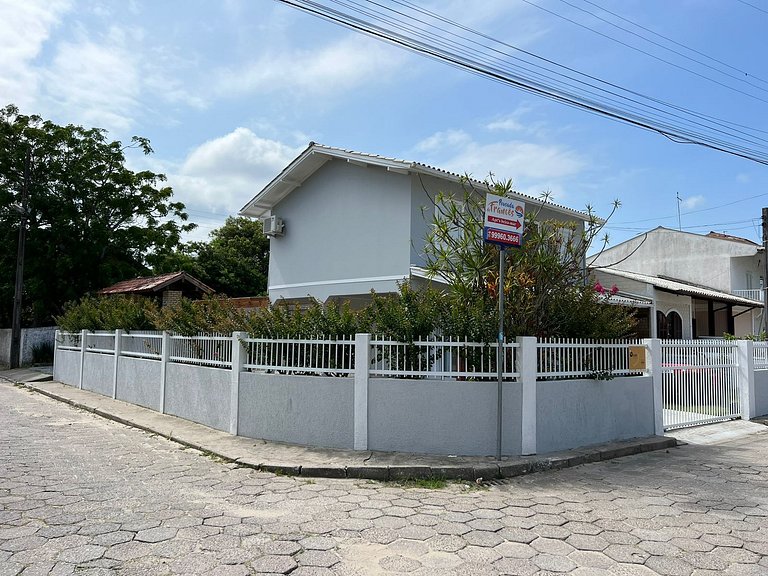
pixel 504 225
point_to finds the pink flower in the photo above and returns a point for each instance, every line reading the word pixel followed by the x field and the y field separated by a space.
pixel 599 288
pixel 614 289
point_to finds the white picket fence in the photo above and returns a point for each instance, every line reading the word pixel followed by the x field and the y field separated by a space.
pixel 429 358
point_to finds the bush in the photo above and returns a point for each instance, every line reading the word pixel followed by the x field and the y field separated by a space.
pixel 214 314
pixel 42 353
pixel 108 313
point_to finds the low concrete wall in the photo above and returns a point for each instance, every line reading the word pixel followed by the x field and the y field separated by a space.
pixel 66 369
pixel 198 393
pixel 30 338
pixel 138 381
pixel 442 416
pixel 761 392
pixel 309 410
pixel 573 413
pixel 98 373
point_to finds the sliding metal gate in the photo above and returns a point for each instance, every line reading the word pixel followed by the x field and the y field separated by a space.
pixel 700 382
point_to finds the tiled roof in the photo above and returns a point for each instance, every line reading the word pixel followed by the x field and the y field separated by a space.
pixel 153 284
pixel 680 287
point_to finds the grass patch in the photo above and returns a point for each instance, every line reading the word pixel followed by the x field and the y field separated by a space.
pixel 431 483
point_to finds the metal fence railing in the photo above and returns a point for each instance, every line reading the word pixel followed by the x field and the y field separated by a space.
pixel 100 342
pixel 700 382
pixel 445 358
pixel 300 355
pixel 142 344
pixel 761 355
pixel 201 350
pixel 69 341
pixel 576 358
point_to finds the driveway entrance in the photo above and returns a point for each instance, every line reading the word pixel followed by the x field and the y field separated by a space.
pixel 700 382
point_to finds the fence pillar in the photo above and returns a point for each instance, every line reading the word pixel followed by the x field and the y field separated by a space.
pixel 165 352
pixel 239 354
pixel 83 336
pixel 118 340
pixel 527 368
pixel 362 374
pixel 55 351
pixel 746 378
pixel 654 370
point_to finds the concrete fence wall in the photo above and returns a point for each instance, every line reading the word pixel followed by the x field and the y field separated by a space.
pixel 761 393
pixel 582 412
pixel 442 416
pixel 30 339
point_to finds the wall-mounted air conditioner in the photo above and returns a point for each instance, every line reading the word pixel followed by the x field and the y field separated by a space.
pixel 273 226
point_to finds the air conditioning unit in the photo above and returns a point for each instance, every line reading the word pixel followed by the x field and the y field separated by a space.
pixel 273 226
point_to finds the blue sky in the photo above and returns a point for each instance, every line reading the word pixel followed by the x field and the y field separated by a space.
pixel 229 92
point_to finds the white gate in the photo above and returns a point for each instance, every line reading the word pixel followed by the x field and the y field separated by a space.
pixel 700 382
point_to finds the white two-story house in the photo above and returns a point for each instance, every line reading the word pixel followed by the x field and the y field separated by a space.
pixel 343 223
pixel 695 285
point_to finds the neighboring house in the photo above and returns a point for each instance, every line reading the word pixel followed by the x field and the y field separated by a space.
pixel 165 288
pixel 343 223
pixel 689 285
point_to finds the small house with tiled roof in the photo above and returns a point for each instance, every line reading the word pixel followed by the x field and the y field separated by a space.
pixel 342 223
pixel 166 288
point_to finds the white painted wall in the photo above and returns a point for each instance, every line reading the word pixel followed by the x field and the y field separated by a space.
pixel 719 264
pixel 346 222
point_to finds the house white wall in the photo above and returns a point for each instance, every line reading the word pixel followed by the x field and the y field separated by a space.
pixel 347 230
pixel 746 272
pixel 717 263
pixel 424 190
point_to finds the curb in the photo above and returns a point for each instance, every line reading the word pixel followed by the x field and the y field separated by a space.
pixel 486 471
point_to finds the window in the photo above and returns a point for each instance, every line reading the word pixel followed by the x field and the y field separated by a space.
pixel 669 327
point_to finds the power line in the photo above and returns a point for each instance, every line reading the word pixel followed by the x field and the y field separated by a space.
pixel 659 45
pixel 675 42
pixel 636 49
pixel 753 6
pixel 718 207
pixel 619 104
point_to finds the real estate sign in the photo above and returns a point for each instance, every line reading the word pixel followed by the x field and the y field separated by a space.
pixel 504 221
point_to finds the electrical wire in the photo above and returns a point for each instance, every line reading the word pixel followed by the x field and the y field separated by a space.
pixel 753 6
pixel 657 44
pixel 420 36
pixel 675 42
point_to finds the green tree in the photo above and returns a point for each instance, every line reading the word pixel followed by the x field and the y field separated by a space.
pixel 236 259
pixel 91 220
pixel 545 287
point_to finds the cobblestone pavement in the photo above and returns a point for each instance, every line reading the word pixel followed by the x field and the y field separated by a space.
pixel 87 496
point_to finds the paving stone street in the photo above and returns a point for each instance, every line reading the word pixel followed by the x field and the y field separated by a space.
pixel 83 495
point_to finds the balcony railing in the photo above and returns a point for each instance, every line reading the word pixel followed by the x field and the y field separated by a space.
pixel 756 294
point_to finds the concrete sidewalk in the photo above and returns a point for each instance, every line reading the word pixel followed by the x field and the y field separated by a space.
pixel 324 462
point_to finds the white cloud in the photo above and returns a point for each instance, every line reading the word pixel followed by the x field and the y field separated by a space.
pixel 743 178
pixel 221 175
pixel 505 159
pixel 441 140
pixel 338 67
pixel 692 202
pixel 24 29
pixel 97 83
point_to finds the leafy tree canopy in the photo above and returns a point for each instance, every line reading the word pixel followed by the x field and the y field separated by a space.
pixel 545 287
pixel 91 220
pixel 235 261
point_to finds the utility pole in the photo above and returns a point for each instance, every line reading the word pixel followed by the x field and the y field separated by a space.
pixel 679 221
pixel 15 358
pixel 765 268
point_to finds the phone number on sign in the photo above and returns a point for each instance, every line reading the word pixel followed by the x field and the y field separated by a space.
pixel 505 237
